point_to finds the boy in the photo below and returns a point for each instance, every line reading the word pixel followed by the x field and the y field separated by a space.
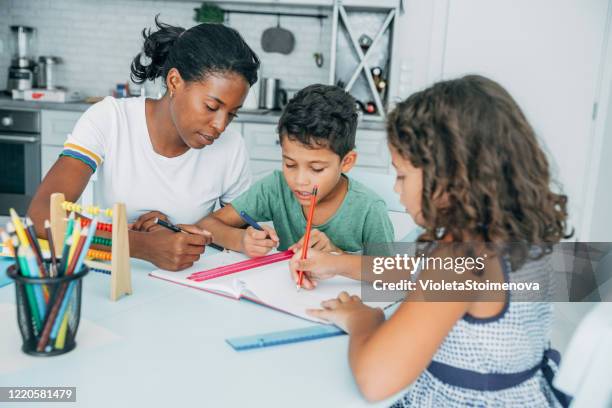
pixel 317 137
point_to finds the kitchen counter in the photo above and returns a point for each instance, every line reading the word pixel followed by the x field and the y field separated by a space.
pixel 6 102
pixel 243 116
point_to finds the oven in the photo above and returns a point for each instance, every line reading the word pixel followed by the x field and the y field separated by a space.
pixel 19 158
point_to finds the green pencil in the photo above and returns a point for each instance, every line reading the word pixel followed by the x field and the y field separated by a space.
pixel 23 266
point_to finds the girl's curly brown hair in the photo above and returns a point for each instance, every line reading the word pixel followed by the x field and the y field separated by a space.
pixel 477 149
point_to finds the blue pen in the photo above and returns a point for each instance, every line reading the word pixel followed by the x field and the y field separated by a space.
pixel 247 218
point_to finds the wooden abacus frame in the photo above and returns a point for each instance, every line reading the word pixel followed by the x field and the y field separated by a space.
pixel 121 275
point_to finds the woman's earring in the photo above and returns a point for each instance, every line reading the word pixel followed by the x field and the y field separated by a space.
pixel 171 94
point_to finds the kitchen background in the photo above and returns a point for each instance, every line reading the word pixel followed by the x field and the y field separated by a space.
pixel 555 57
pixel 97 40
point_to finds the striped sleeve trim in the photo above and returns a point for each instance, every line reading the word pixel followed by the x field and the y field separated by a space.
pixel 80 153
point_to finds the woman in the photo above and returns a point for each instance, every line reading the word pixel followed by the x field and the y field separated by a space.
pixel 167 158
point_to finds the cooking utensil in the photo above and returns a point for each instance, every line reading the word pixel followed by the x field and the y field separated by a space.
pixel 277 39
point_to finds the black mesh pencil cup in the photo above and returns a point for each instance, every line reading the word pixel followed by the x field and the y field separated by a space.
pixel 48 311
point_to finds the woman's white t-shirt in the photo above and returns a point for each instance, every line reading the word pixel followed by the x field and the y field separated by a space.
pixel 112 138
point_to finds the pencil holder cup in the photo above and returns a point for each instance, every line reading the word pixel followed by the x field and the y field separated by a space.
pixel 48 311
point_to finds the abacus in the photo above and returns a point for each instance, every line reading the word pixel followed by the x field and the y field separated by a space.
pixel 115 262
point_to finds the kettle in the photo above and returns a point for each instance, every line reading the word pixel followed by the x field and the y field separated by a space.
pixel 271 96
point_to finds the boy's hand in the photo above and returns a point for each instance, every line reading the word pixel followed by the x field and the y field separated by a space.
pixel 318 240
pixel 258 243
pixel 318 265
pixel 146 222
pixel 349 313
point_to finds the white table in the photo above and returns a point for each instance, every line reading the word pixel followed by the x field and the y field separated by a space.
pixel 165 346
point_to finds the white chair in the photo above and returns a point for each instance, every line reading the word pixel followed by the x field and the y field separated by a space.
pixel 382 184
pixel 585 367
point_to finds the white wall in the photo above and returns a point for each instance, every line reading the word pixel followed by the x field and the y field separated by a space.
pixel 547 54
pixel 412 49
pixel 99 39
pixel 601 225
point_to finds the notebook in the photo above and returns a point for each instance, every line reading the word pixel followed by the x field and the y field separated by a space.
pixel 269 285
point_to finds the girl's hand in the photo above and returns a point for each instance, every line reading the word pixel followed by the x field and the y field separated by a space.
pixel 318 240
pixel 349 313
pixel 258 243
pixel 318 265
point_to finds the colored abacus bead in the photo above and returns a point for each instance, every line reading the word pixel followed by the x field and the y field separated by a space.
pixel 96 254
pixel 102 241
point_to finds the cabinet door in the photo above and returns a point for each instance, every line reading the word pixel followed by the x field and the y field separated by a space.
pixel 56 125
pixel 236 127
pixel 262 141
pixel 48 156
pixel 372 151
pixel 285 2
pixel 261 168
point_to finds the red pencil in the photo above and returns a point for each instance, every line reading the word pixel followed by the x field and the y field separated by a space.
pixel 77 251
pixel 313 201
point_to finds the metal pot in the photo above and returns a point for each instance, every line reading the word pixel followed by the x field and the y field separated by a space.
pixel 45 74
pixel 271 96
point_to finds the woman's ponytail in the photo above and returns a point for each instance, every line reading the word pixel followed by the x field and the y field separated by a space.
pixel 157 46
pixel 202 50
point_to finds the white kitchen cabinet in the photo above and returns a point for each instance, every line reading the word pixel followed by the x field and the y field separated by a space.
pixel 48 156
pixel 265 151
pixel 264 148
pixel 261 168
pixel 262 141
pixel 372 151
pixel 328 3
pixel 55 127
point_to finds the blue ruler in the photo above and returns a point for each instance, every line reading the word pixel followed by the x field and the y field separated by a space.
pixel 283 337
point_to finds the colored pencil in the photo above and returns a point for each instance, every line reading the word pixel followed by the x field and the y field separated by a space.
pixel 313 201
pixel 54 266
pixel 29 225
pixel 31 267
pixel 76 233
pixel 82 247
pixel 66 249
pixel 19 227
pixel 30 294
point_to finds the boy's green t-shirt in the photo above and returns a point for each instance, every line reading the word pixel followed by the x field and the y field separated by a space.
pixel 362 217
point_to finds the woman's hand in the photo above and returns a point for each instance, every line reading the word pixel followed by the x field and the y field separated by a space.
pixel 317 266
pixel 146 222
pixel 349 313
pixel 175 251
pixel 318 240
pixel 258 243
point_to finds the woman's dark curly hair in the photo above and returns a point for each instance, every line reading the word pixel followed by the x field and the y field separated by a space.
pixel 477 149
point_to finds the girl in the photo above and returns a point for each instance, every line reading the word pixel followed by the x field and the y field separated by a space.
pixel 469 169
pixel 171 155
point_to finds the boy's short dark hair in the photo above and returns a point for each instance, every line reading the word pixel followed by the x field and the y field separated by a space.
pixel 322 116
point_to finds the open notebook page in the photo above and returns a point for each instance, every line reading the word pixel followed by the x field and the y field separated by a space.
pixel 226 285
pixel 272 284
pixel 269 284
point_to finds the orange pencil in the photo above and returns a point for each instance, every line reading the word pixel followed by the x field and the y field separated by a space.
pixel 313 201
